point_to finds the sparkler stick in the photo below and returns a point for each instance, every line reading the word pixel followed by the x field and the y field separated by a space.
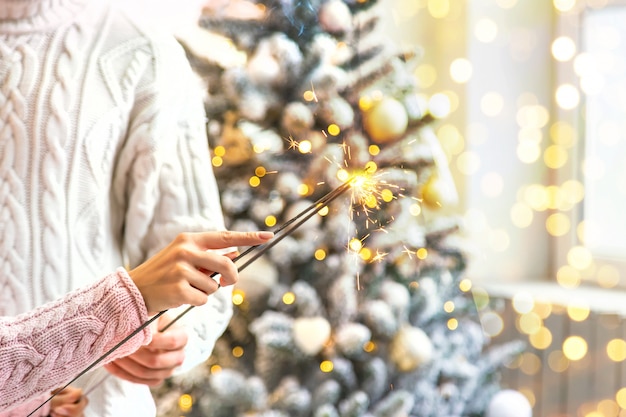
pixel 285 230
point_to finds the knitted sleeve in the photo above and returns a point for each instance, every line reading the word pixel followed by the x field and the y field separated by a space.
pixel 166 179
pixel 47 347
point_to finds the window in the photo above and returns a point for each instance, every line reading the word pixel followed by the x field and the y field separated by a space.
pixel 596 245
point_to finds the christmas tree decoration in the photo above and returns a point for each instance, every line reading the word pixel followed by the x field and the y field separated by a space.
pixel 385 120
pixel 360 311
pixel 509 403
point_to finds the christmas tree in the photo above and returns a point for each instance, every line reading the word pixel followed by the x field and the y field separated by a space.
pixel 364 309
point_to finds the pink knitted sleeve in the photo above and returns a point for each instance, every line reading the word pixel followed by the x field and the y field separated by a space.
pixel 44 349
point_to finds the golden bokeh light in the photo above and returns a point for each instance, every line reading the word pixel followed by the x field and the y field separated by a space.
pixel 465 285
pixel 528 152
pixel 453 324
pixel 564 5
pixel 558 224
pixel 438 8
pixel 448 306
pixel 237 351
pixel 563 133
pixel 326 366
pixel 567 97
pixel 529 323
pixel 426 76
pixel 616 350
pixel 563 48
pixel 575 348
pixel 289 298
pixel 531 363
pixel 185 402
pixel 579 257
pixel 320 254
pixel 238 297
pixel 555 156
pixel 620 397
pixel 541 339
pixel 486 30
pixel 270 221
pixel 608 276
pixel 578 311
pixel 568 277
pixel 461 70
pixel 557 361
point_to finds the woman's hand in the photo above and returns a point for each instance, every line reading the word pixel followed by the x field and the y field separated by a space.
pixel 180 273
pixel 68 403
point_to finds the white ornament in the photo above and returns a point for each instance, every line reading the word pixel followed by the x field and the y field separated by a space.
pixel 263 68
pixel 256 280
pixel 509 403
pixel 411 348
pixel 335 17
pixel 310 334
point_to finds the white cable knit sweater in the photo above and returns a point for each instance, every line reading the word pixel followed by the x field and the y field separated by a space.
pixel 103 159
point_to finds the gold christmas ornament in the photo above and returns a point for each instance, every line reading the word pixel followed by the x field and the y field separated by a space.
pixel 437 193
pixel 410 348
pixel 386 120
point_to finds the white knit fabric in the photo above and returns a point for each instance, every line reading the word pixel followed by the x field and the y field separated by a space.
pixel 102 153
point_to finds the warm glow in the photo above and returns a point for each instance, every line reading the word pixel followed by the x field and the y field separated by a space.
pixel 563 48
pixel 461 70
pixel 568 277
pixel 564 5
pixel 439 8
pixel 254 181
pixel 541 339
pixel 578 311
pixel 579 257
pixel 453 324
pixel 557 361
pixel 558 224
pixel 270 221
pixel 326 366
pixel 575 348
pixel 567 97
pixel 320 254
pixel 486 30
pixel 237 351
pixel 530 323
pixel 185 402
pixel 289 298
pixel 616 350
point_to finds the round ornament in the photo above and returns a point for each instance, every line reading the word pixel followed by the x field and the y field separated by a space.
pixel 386 120
pixel 410 348
pixel 509 403
pixel 437 193
pixel 335 17
pixel 310 334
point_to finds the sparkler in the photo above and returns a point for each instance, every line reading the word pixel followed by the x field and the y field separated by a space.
pixel 283 231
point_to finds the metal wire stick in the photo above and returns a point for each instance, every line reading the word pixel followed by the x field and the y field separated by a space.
pixel 280 234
